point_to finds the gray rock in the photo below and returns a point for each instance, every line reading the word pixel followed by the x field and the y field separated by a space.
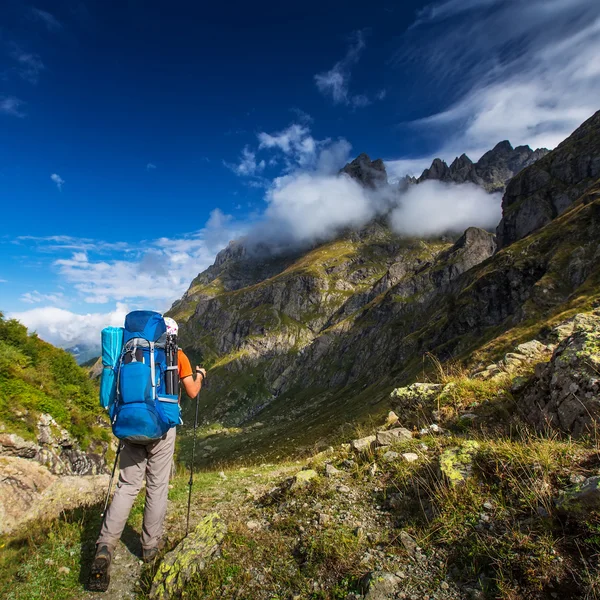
pixel 410 545
pixel 188 558
pixel 392 436
pixel 363 445
pixel 303 478
pixel 390 456
pixel 565 393
pixel 331 471
pixel 381 585
pixel 14 445
pixel 410 457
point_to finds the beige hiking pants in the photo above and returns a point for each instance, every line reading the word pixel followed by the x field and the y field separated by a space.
pixel 154 462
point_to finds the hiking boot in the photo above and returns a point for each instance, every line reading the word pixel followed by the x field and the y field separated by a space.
pixel 149 554
pixel 100 571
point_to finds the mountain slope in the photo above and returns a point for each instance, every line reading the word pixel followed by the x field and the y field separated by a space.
pixel 300 346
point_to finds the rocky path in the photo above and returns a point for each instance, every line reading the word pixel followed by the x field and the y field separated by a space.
pixel 212 492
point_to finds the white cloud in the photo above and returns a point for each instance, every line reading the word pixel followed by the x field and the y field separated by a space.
pixel 3 281
pixel 56 243
pixel 432 208
pixel 248 165
pixel 65 328
pixel 49 20
pixel 9 105
pixel 310 207
pixel 335 82
pixel 35 297
pixel 295 142
pixel 150 167
pixel 160 274
pixel 58 180
pixel 529 71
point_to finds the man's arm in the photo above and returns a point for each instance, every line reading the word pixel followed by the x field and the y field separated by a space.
pixel 192 387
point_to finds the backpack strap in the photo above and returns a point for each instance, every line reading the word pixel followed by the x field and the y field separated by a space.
pixel 152 371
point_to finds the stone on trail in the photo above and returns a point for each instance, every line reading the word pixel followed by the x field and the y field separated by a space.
pixel 190 556
pixel 387 438
pixel 363 444
pixel 302 478
pixel 409 543
pixel 381 585
pixel 331 471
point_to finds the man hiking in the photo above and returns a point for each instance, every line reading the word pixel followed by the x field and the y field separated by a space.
pixel 153 461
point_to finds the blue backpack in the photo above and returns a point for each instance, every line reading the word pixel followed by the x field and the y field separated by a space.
pixel 140 409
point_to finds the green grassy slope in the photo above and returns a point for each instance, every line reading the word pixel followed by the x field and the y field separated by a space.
pixel 35 378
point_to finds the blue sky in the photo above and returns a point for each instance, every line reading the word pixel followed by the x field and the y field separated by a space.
pixel 138 138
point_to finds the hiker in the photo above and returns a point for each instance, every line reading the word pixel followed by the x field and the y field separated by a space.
pixel 151 460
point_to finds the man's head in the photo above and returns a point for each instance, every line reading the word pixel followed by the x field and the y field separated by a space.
pixel 172 327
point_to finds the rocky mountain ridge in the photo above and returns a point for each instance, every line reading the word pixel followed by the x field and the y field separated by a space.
pixel 492 171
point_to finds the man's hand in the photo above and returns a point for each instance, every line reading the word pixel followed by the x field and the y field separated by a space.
pixel 201 371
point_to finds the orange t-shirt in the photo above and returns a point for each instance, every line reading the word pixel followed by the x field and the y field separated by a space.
pixel 183 364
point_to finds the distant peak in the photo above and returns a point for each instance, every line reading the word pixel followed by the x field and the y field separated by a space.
pixel 370 173
pixel 504 146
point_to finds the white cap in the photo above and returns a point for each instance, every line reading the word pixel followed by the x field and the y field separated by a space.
pixel 172 327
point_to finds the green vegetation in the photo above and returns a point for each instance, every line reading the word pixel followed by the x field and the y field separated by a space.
pixel 35 378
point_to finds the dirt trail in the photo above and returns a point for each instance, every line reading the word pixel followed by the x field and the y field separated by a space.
pixel 225 496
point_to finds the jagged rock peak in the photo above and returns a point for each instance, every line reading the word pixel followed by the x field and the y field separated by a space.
pixel 493 170
pixel 438 170
pixel 371 173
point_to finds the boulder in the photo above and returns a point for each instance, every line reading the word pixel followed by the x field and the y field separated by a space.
pixel 457 463
pixel 565 392
pixel 416 394
pixel 331 471
pixel 363 445
pixel 392 436
pixel 188 558
pixel 29 492
pixel 14 445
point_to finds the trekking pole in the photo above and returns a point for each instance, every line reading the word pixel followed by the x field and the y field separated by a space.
pixel 112 477
pixel 191 482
